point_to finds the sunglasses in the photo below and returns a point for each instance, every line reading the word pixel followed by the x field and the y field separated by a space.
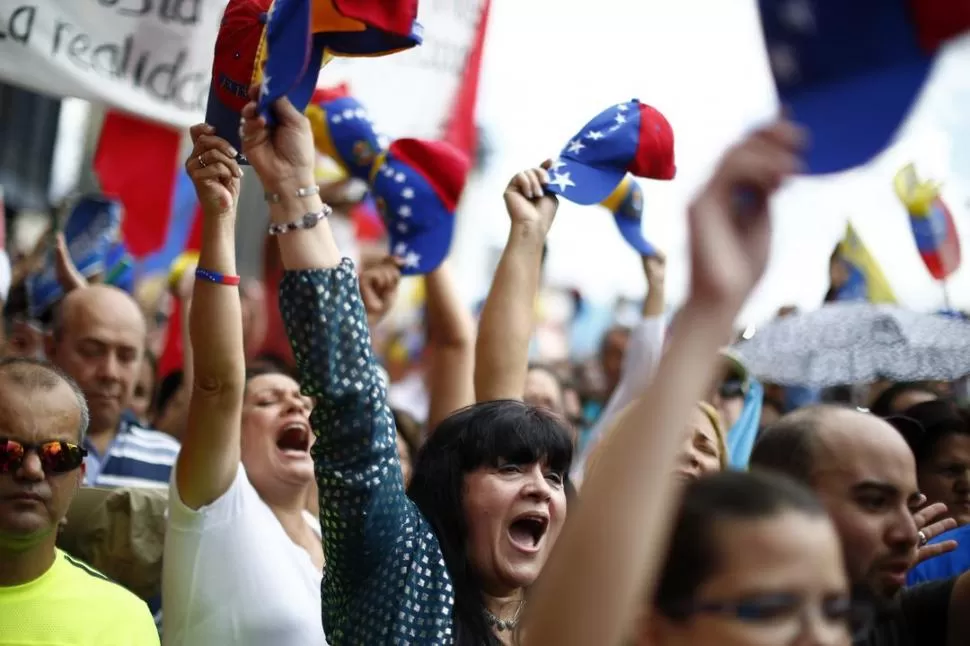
pixel 55 456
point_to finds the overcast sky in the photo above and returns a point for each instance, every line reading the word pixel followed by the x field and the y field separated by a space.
pixel 552 64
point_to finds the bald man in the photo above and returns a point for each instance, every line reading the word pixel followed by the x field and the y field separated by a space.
pixel 865 475
pixel 98 339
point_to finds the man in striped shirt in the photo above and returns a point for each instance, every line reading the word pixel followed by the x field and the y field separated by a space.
pixel 99 340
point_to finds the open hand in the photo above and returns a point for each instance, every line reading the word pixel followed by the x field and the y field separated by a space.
pixel 924 523
pixel 213 169
pixel 378 288
pixel 283 156
pixel 730 227
pixel 527 201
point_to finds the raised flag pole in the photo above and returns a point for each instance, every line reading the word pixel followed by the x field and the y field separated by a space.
pixel 946 295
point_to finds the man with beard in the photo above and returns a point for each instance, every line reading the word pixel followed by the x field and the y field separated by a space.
pixel 865 475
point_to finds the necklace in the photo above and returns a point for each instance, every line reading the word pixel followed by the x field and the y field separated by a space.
pixel 502 625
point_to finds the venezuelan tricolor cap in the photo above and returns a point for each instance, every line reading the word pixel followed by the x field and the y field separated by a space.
pixel 343 131
pixel 416 185
pixel 626 205
pixel 850 71
pixel 630 137
pixel 236 53
pixel 301 36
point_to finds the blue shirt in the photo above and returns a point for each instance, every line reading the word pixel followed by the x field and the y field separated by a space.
pixel 946 565
pixel 136 457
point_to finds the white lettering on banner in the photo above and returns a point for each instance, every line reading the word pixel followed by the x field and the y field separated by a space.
pixel 152 58
pixel 410 94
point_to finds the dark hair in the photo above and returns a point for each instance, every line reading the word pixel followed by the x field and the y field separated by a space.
pixel 883 406
pixel 728 496
pixel 924 425
pixel 167 387
pixel 409 429
pixel 484 434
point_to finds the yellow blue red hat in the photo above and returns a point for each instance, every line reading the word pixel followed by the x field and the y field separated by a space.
pixel 343 131
pixel 626 205
pixel 629 137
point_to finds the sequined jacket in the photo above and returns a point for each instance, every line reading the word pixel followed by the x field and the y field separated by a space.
pixel 386 581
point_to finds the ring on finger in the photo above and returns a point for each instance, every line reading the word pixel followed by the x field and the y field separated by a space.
pixel 201 159
pixel 923 540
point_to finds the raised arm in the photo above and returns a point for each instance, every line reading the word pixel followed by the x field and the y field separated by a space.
pixel 451 343
pixel 607 560
pixel 508 316
pixel 209 458
pixel 363 508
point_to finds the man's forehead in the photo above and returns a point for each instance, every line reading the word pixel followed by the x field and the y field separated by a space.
pixel 38 414
pixel 863 448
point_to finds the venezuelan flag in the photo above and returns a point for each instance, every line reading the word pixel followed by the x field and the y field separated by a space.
pixel 865 280
pixel 933 227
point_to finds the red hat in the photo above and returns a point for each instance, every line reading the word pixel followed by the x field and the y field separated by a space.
pixel 236 53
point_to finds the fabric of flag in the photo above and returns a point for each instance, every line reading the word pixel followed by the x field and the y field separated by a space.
pixel 865 281
pixel 461 130
pixel 301 35
pixel 417 185
pixel 136 161
pixel 629 137
pixel 932 224
pixel 626 205
pixel 233 66
pixel 343 131
pixel 833 61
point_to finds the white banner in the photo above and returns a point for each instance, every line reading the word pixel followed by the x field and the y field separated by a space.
pixel 410 94
pixel 152 58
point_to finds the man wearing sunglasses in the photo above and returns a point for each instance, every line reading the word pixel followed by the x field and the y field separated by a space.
pixel 46 596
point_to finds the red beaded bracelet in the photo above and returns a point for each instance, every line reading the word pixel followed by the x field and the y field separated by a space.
pixel 216 277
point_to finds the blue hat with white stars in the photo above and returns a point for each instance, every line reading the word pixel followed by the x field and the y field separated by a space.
pixel 626 205
pixel 851 71
pixel 417 185
pixel 630 137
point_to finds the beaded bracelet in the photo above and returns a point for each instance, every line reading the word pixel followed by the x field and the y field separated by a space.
pixel 308 221
pixel 216 277
pixel 276 198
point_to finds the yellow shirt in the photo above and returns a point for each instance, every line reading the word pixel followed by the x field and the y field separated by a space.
pixel 72 604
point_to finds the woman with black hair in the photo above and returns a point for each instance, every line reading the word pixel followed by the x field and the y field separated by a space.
pixel 451 563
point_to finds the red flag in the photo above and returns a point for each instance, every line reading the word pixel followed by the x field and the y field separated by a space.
pixel 460 130
pixel 136 162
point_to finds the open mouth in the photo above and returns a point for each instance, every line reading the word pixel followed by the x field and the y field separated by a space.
pixel 527 530
pixel 295 436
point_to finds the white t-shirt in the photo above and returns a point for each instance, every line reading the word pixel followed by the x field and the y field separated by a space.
pixel 231 575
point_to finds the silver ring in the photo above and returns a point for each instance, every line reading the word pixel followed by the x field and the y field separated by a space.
pixel 922 538
pixel 201 161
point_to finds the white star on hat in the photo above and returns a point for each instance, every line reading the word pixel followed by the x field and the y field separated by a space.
pixel 575 146
pixel 619 118
pixel 623 107
pixel 348 114
pixel 400 177
pixel 556 164
pixel 594 135
pixel 404 211
pixel 562 180
pixel 412 259
pixel 400 249
pixel 264 87
pixel 336 118
pixel 402 227
pixel 407 193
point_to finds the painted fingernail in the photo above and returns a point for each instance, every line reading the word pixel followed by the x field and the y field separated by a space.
pixel 232 151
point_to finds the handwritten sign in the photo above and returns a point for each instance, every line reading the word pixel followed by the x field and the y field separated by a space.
pixel 152 58
pixel 90 232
